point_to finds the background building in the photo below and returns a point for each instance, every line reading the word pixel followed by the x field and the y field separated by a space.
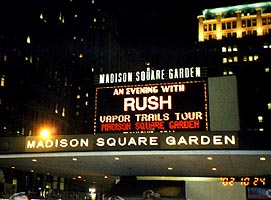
pixel 235 40
pixel 48 58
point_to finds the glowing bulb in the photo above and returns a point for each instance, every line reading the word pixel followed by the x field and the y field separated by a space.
pixel 45 133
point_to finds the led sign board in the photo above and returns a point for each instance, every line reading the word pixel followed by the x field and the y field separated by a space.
pixel 160 107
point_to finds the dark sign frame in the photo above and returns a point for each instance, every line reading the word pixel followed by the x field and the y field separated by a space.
pixel 147 108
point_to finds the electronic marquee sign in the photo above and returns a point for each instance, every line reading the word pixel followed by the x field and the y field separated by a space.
pixel 148 108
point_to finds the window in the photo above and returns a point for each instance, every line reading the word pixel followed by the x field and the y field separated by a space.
pixel 63 112
pixel 230 59
pixel 228 25
pixel 233 24
pixel 229 49
pixel 260 118
pixel 214 27
pixel 265 46
pixel 264 21
pixel 223 26
pixel 248 23
pixel 245 59
pixel 227 72
pixel 256 57
pixel 5 57
pixel 244 23
pixel 210 27
pixel 254 22
pixel 56 108
pixel 28 39
pixel 3 81
pixel 235 48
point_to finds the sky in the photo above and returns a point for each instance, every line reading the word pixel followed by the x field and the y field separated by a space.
pixel 143 22
pixel 157 22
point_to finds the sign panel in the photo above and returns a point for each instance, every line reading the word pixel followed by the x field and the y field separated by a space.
pixel 166 141
pixel 148 108
pixel 58 143
pixel 171 74
pixel 133 142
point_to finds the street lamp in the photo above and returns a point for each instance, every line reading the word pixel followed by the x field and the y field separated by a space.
pixel 45 133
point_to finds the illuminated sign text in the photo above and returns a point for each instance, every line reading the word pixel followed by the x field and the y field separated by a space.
pixel 163 107
pixel 140 141
pixel 150 75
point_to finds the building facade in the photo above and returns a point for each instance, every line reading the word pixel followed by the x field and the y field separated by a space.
pixel 235 22
pixel 235 40
pixel 49 56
